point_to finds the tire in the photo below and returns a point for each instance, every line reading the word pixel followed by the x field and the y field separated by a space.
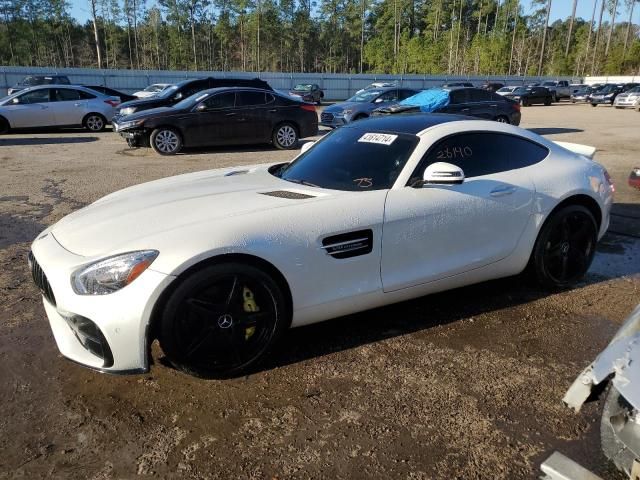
pixel 94 122
pixel 547 102
pixel 223 320
pixel 502 119
pixel 166 141
pixel 594 104
pixel 612 447
pixel 565 247
pixel 132 143
pixel 619 108
pixel 554 98
pixel 285 136
pixel 523 103
pixel 4 126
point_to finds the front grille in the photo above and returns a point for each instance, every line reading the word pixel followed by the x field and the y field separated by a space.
pixel 40 280
pixel 288 194
pixel 326 117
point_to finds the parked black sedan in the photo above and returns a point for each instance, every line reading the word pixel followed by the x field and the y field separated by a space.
pixel 181 90
pixel 221 116
pixel 531 95
pixel 309 92
pixel 474 102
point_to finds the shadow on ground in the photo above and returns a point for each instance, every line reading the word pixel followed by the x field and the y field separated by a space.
pixel 45 140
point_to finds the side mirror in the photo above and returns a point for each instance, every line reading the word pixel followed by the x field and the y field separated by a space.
pixel 201 108
pixel 378 100
pixel 306 146
pixel 15 101
pixel 442 173
pixel 178 96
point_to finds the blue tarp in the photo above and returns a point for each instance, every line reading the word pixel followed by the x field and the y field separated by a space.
pixel 428 100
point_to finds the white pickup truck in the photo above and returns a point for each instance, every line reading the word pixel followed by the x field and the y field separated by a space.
pixel 558 88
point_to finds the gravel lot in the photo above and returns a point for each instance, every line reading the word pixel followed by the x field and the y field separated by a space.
pixel 465 384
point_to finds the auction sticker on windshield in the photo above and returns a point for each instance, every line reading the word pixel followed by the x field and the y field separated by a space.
pixel 381 138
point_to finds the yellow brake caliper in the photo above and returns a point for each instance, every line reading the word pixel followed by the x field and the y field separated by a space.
pixel 249 305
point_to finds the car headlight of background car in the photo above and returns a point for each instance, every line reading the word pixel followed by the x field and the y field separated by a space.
pixel 344 113
pixel 636 172
pixel 131 124
pixel 111 274
pixel 127 110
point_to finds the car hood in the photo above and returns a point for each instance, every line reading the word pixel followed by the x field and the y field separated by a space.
pixel 144 103
pixel 123 220
pixel 339 107
pixel 149 113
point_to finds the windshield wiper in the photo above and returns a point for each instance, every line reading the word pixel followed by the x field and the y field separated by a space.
pixel 301 182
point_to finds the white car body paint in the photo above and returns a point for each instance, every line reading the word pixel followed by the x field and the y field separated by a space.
pixel 197 216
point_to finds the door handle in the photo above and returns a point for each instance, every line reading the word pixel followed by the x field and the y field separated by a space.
pixel 464 110
pixel 273 111
pixel 229 114
pixel 77 104
pixel 502 191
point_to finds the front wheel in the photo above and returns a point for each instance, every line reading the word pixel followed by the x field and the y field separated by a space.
pixel 565 247
pixel 223 320
pixel 285 137
pixel 594 104
pixel 547 102
pixel 166 141
pixel 94 122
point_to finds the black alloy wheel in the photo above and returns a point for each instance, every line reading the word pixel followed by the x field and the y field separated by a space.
pixel 565 247
pixel 222 321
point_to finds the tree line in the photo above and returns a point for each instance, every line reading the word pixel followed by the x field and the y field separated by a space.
pixel 456 37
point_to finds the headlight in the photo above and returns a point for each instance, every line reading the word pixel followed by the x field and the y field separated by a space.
pixel 609 95
pixel 127 110
pixel 636 171
pixel 111 274
pixel 131 124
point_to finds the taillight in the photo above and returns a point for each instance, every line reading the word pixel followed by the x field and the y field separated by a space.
pixel 516 106
pixel 113 103
pixel 307 107
pixel 607 177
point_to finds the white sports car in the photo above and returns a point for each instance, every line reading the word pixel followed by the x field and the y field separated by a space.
pixel 217 264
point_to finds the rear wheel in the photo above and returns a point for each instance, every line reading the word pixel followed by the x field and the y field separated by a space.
pixel 594 104
pixel 166 141
pixel 285 136
pixel 615 413
pixel 547 102
pixel 4 125
pixel 223 320
pixel 94 122
pixel 565 247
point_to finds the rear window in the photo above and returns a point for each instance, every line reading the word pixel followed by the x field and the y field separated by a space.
pixel 353 159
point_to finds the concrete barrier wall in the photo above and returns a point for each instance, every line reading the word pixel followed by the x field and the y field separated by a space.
pixel 335 86
pixel 612 79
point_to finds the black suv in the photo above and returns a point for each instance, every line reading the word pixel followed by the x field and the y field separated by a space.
pixel 172 95
pixel 34 80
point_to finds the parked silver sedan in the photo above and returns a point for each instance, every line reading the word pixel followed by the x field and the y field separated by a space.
pixel 628 99
pixel 57 106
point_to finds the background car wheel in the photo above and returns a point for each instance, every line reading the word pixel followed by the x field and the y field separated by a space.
pixel 565 247
pixel 523 102
pixel 4 126
pixel 616 451
pixel 285 136
pixel 554 98
pixel 594 104
pixel 502 119
pixel 132 143
pixel 547 102
pixel 166 141
pixel 223 320
pixel 94 122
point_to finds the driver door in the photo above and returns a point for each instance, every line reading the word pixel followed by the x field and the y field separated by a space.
pixel 211 122
pixel 30 109
pixel 437 231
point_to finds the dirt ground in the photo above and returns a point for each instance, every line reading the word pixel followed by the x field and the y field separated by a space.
pixel 465 384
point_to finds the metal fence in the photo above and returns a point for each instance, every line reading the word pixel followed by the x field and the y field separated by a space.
pixel 336 86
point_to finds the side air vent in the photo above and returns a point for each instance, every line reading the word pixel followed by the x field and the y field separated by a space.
pixel 236 172
pixel 347 245
pixel 288 194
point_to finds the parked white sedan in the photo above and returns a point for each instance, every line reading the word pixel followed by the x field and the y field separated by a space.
pixel 57 106
pixel 217 264
pixel 152 90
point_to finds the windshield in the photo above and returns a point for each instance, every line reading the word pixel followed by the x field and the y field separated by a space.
pixel 607 89
pixel 33 80
pixel 303 87
pixel 549 84
pixel 634 90
pixel 507 89
pixel 583 90
pixel 191 101
pixel 521 90
pixel 365 96
pixel 352 159
pixel 167 92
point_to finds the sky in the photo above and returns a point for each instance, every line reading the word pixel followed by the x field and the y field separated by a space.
pixel 560 9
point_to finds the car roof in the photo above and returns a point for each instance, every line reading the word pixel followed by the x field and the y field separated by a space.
pixel 412 123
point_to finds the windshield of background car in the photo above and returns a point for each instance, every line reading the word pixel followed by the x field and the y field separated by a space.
pixel 506 89
pixel 31 80
pixel 607 89
pixel 549 84
pixel 191 101
pixel 583 90
pixel 353 159
pixel 167 92
pixel 365 96
pixel 634 90
pixel 303 87
pixel 521 90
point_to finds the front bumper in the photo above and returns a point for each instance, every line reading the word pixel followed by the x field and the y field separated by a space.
pixel 329 119
pixel 601 101
pixel 116 339
pixel 627 103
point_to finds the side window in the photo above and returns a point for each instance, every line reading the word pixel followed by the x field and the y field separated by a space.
pixel 87 95
pixel 249 99
pixel 402 94
pixel 193 89
pixel 390 96
pixel 37 96
pixel 66 95
pixel 222 100
pixel 269 98
pixel 459 96
pixel 483 153
pixel 477 95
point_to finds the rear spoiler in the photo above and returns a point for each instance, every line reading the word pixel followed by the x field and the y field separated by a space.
pixel 584 150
